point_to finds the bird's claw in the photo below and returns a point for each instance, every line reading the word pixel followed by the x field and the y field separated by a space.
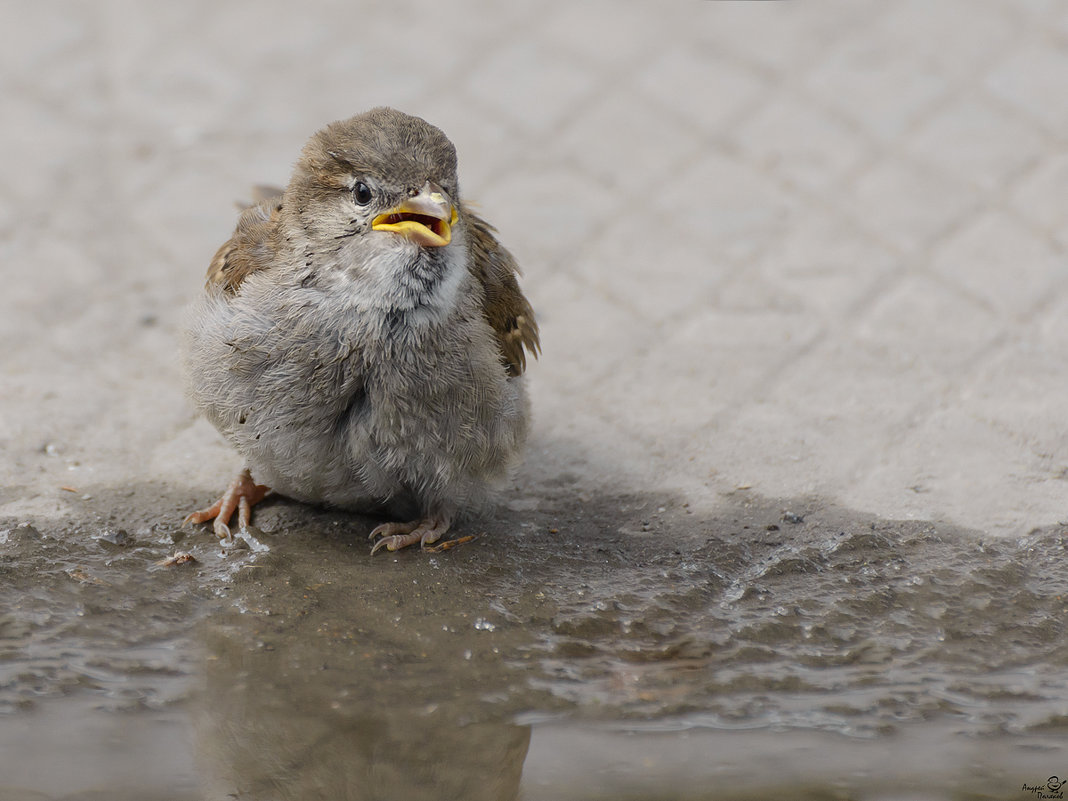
pixel 392 543
pixel 395 536
pixel 240 496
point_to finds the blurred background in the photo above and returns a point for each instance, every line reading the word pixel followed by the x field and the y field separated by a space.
pixel 779 250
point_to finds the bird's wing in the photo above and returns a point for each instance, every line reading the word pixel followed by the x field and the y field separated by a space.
pixel 262 192
pixel 252 246
pixel 506 309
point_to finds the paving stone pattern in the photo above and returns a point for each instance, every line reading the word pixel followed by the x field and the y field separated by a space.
pixel 798 247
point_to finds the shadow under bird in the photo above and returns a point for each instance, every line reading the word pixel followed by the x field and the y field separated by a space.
pixel 362 338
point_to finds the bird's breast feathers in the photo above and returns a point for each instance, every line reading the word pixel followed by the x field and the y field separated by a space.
pixel 389 278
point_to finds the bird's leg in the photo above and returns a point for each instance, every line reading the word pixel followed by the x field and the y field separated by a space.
pixel 242 494
pixel 400 535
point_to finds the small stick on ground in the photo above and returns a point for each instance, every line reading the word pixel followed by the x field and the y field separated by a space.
pixel 444 546
pixel 179 558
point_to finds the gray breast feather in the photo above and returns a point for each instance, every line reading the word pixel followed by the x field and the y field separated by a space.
pixel 326 410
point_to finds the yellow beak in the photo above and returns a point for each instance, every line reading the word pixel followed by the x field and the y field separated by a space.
pixel 425 219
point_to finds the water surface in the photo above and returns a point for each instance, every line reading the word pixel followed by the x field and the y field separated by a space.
pixel 614 648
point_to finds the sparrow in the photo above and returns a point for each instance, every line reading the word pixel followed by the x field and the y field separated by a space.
pixel 362 338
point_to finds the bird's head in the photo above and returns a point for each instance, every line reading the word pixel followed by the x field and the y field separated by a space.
pixel 383 179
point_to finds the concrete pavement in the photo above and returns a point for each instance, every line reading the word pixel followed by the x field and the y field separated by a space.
pixel 787 248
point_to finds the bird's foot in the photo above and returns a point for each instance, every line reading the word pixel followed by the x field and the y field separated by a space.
pixel 242 494
pixel 395 536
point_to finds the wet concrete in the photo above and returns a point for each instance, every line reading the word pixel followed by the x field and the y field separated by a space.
pixel 614 646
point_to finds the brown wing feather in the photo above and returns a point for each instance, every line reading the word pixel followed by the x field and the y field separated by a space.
pixel 251 248
pixel 505 307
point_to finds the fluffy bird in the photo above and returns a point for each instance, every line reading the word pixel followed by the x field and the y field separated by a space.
pixel 362 338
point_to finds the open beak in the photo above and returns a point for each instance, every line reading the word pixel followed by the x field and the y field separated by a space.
pixel 425 219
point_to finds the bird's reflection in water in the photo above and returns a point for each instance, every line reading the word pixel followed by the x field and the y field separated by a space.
pixel 288 713
pixel 398 757
pixel 288 737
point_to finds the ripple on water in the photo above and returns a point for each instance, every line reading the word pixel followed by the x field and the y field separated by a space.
pixel 852 631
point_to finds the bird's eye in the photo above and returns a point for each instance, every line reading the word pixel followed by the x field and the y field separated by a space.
pixel 361 193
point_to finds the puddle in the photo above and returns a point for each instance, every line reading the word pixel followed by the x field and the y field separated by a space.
pixel 610 648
